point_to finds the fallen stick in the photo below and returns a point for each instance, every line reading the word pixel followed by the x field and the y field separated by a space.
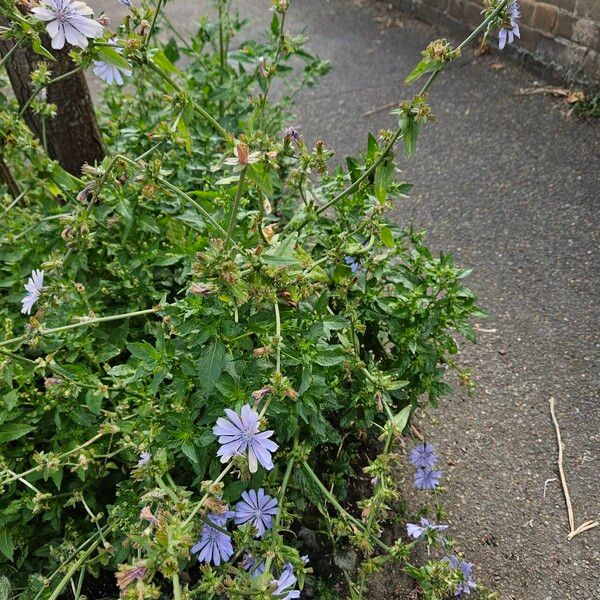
pixel 563 480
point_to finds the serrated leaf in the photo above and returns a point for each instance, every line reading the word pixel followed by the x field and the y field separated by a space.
pixel 14 431
pixel 7 546
pixel 210 365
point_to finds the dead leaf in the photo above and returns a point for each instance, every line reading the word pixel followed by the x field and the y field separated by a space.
pixel 497 66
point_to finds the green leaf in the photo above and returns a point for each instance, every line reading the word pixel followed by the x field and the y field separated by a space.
pixel 387 237
pixel 372 147
pixel 275 25
pixel 112 57
pixel 410 131
pixel 13 431
pixel 5 588
pixel 426 65
pixel 7 546
pixel 183 130
pixel 210 365
pixel 401 419
pixel 188 449
pixel 160 60
pixel 39 49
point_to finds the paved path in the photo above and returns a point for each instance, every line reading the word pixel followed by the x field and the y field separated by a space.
pixel 511 187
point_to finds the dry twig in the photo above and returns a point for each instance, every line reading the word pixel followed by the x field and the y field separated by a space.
pixel 563 480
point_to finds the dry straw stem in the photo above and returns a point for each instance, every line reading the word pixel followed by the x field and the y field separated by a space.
pixel 563 480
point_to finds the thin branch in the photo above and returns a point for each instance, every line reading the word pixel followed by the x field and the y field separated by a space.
pixel 563 480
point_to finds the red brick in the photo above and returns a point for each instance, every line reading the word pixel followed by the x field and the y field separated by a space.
pixel 529 38
pixel 472 14
pixel 588 8
pixel 527 8
pixel 544 18
pixel 567 5
pixel 564 25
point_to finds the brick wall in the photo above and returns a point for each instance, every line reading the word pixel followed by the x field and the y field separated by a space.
pixel 559 38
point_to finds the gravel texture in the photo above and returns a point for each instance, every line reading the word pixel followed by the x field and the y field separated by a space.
pixel 511 187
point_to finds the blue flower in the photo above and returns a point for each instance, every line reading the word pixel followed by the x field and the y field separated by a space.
pixel 214 546
pixel 33 287
pixel 427 479
pixel 352 263
pixel 465 586
pixel 291 133
pixel 145 458
pixel 416 531
pixel 109 73
pixel 126 3
pixel 240 434
pixel 250 565
pixel 68 20
pixel 423 456
pixel 510 27
pixel 256 508
pixel 284 583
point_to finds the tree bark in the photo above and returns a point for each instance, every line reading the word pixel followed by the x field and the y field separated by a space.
pixel 72 136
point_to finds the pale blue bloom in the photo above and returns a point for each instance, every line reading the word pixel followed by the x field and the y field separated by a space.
pixel 110 73
pixel 510 29
pixel 427 479
pixel 34 286
pixel 144 458
pixel 214 546
pixel 465 586
pixel 240 434
pixel 423 456
pixel 256 508
pixel 68 20
pixel 284 583
pixel 416 531
pixel 250 565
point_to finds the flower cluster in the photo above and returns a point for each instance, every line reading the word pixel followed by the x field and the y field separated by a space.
pixel 424 458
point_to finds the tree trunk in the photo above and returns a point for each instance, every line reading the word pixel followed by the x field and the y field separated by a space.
pixel 72 136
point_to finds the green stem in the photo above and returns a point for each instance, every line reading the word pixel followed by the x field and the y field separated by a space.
pixel 222 131
pixel 206 496
pixel 329 496
pixel 398 133
pixel 13 203
pixel 198 206
pixel 11 51
pixel 39 89
pixel 44 332
pixel 153 25
pixel 176 587
pixel 278 337
pixel 234 207
pixel 281 498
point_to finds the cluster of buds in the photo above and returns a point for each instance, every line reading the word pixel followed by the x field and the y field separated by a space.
pixel 441 51
pixel 281 6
